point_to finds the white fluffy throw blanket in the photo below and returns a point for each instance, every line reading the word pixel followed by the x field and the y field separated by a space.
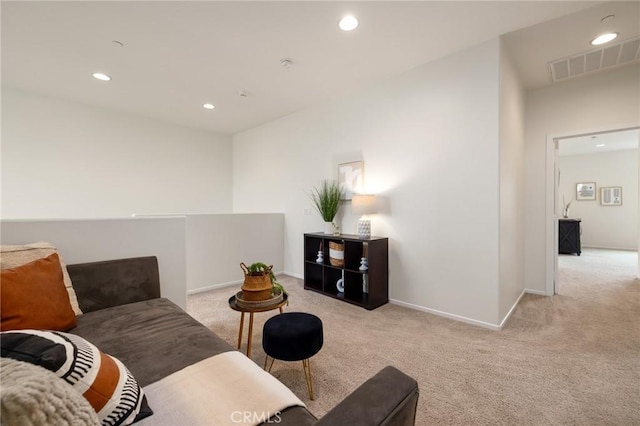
pixel 34 396
pixel 226 389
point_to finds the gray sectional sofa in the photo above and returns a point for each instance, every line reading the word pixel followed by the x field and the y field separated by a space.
pixel 125 316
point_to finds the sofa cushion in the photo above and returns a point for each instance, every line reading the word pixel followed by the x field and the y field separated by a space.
pixel 18 255
pixel 102 379
pixel 33 296
pixel 32 395
pixel 154 328
pixel 104 284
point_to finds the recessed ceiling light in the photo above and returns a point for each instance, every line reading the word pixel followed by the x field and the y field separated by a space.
pixel 348 23
pixel 286 62
pixel 607 18
pixel 208 106
pixel 600 145
pixel 604 38
pixel 101 76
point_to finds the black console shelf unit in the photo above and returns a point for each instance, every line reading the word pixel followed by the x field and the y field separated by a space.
pixel 569 236
pixel 322 277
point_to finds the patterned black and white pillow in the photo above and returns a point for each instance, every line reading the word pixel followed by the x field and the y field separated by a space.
pixel 103 380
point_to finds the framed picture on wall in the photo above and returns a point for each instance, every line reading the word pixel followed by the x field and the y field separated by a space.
pixel 351 178
pixel 585 191
pixel 611 196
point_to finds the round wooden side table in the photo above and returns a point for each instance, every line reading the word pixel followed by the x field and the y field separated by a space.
pixel 233 305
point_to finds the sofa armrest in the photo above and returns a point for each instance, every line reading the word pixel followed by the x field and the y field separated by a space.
pixel 388 398
pixel 100 285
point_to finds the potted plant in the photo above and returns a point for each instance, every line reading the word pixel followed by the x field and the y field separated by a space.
pixel 327 201
pixel 259 282
pixel 565 207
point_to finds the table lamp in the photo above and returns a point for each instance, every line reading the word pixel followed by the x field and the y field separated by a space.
pixel 362 205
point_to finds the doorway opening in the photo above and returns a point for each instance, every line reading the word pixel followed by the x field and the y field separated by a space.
pixel 604 158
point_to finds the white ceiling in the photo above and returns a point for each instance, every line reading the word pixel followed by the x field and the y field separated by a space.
pixel 178 55
pixel 534 47
pixel 613 141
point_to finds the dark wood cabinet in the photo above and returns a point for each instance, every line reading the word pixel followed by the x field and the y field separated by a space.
pixel 368 289
pixel 569 236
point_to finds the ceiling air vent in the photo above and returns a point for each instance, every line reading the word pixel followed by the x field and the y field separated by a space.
pixel 623 53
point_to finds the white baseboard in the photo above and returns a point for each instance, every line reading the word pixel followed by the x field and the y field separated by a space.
pixel 461 318
pixel 446 315
pixel 536 292
pixel 609 248
pixel 221 285
pixel 214 287
pixel 506 317
pixel 294 275
pixel 396 302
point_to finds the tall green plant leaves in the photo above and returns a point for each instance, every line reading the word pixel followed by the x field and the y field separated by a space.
pixel 327 199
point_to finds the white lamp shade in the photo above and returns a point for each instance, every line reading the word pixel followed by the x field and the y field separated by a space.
pixel 362 204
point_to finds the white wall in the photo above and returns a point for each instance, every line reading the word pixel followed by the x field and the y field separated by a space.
pixel 80 241
pixel 614 227
pixel 63 159
pixel 429 140
pixel 216 244
pixel 511 285
pixel 195 252
pixel 603 100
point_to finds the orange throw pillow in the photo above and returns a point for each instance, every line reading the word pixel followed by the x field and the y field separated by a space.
pixel 34 296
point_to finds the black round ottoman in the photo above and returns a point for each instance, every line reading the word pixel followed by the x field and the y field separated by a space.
pixel 293 336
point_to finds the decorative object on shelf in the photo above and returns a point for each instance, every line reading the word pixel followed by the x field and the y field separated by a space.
pixel 585 191
pixel 328 228
pixel 336 253
pixel 611 196
pixel 320 258
pixel 336 228
pixel 363 205
pixel 565 208
pixel 340 283
pixel 351 178
pixel 364 266
pixel 327 202
pixel 331 228
pixel 259 282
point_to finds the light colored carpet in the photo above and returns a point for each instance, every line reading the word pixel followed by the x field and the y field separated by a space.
pixel 569 359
